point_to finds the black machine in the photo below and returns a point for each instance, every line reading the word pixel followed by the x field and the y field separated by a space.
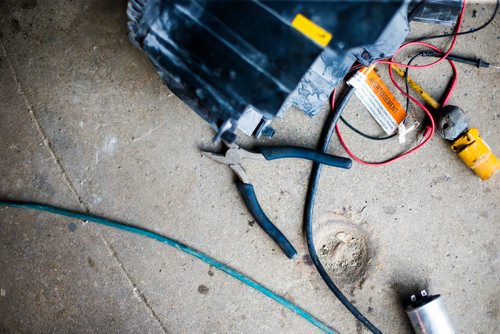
pixel 239 64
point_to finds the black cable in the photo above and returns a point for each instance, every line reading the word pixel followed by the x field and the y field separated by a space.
pixel 325 139
pixel 367 136
pixel 362 134
pixel 476 62
pixel 407 71
pixel 471 31
pixel 407 88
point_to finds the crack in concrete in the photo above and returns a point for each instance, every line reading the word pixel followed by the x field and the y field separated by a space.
pixel 150 131
pixel 136 291
pixel 134 286
pixel 39 128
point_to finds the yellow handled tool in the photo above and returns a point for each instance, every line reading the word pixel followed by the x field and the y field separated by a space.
pixel 476 154
pixel 417 88
pixel 453 125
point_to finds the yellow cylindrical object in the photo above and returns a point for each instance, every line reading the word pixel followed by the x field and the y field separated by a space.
pixel 417 88
pixel 476 154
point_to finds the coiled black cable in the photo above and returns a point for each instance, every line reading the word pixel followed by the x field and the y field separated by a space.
pixel 324 142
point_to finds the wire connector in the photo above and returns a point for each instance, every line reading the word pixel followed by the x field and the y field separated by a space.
pixel 403 131
pixel 460 59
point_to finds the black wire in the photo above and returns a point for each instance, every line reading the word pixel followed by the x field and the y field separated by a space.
pixel 424 38
pixel 410 17
pixel 371 137
pixel 325 139
pixel 407 88
pixel 476 62
pixel 365 135
pixel 362 134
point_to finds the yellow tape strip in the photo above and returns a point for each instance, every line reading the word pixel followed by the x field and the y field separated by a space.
pixel 311 30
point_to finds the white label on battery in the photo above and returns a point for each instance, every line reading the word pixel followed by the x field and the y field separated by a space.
pixel 372 103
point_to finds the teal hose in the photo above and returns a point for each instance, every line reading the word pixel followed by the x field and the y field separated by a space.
pixel 180 246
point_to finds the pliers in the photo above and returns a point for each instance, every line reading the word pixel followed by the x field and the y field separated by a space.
pixel 234 155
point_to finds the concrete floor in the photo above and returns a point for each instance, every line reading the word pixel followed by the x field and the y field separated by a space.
pixel 86 124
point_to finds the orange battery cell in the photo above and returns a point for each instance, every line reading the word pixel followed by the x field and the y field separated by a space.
pixel 378 99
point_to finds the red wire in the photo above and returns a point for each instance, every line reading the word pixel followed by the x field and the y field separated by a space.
pixel 428 135
pixel 451 87
pixel 332 101
pixel 445 54
pixel 355 67
pixel 429 132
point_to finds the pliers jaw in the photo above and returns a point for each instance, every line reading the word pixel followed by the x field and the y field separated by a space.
pixel 220 158
pixel 240 172
pixel 233 156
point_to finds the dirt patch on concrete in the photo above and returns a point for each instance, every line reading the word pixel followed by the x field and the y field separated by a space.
pixel 343 249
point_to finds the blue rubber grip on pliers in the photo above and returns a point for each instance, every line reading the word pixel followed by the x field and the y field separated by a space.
pixel 282 152
pixel 260 217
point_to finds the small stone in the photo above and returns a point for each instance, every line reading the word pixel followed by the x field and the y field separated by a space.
pixel 203 289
